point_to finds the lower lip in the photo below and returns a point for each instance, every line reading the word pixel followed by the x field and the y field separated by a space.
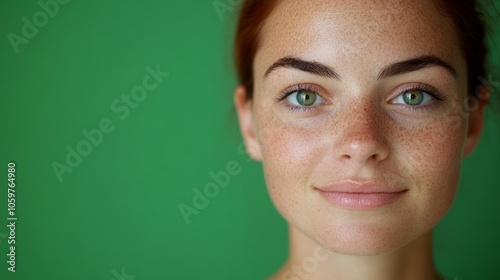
pixel 361 201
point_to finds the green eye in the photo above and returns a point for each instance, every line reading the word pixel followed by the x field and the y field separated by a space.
pixel 303 97
pixel 413 97
pixel 306 98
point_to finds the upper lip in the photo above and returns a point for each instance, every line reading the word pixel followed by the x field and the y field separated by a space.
pixel 353 186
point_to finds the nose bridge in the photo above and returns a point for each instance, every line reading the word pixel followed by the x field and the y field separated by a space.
pixel 362 134
pixel 360 119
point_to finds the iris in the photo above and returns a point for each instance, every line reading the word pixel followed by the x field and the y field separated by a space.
pixel 413 97
pixel 306 98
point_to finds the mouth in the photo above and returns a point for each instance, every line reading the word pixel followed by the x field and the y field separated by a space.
pixel 361 196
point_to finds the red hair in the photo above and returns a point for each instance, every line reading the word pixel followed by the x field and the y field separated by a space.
pixel 252 17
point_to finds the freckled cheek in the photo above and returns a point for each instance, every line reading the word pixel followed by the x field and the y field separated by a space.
pixel 289 157
pixel 290 152
pixel 433 156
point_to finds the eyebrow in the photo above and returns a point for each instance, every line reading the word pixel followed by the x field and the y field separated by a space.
pixel 306 66
pixel 394 69
pixel 415 64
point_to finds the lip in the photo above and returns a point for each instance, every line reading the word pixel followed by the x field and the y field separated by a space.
pixel 352 195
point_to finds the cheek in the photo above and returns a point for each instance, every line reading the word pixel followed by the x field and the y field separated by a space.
pixel 292 149
pixel 431 158
pixel 289 158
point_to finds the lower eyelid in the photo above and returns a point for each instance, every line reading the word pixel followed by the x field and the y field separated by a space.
pixel 421 108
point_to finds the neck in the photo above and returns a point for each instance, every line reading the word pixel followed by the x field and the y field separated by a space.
pixel 307 260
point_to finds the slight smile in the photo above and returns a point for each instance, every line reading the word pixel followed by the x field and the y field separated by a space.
pixel 361 196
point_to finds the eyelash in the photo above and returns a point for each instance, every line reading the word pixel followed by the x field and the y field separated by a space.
pixel 311 88
pixel 299 87
pixel 426 89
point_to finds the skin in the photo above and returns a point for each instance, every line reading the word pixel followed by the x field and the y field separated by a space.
pixel 361 131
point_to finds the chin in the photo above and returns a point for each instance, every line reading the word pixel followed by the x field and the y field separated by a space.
pixel 365 244
pixel 362 236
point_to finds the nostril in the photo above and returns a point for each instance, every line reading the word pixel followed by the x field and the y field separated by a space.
pixel 375 156
pixel 346 157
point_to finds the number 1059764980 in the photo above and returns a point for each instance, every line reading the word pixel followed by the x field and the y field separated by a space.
pixel 11 178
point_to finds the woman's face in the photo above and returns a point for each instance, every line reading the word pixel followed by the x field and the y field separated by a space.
pixel 358 118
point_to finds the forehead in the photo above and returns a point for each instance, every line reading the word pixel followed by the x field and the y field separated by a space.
pixel 373 32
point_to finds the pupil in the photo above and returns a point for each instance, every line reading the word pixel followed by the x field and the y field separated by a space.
pixel 306 98
pixel 413 97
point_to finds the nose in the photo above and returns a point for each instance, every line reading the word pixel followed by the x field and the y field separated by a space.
pixel 362 137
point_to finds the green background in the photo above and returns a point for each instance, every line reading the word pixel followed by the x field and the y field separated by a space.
pixel 118 208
